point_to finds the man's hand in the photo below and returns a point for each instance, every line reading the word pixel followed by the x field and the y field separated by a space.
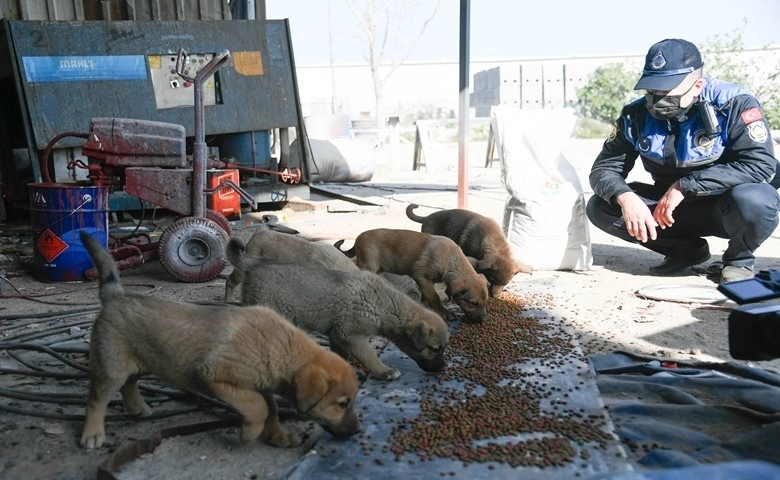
pixel 666 205
pixel 639 220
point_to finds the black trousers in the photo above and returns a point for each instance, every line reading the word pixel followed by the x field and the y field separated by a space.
pixel 746 215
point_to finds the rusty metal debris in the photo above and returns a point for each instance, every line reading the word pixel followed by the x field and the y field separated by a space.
pixel 140 447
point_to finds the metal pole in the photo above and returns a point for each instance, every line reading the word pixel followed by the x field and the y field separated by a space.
pixel 463 110
pixel 199 155
pixel 198 200
pixel 332 66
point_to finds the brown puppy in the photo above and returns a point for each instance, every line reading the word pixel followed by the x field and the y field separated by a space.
pixel 428 259
pixel 242 355
pixel 348 307
pixel 479 237
pixel 287 248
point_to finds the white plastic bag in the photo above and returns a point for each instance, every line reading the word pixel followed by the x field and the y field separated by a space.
pixel 544 216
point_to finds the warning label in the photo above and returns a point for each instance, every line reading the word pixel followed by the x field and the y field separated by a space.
pixel 50 245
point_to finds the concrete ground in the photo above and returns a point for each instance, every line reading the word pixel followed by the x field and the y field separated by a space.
pixel 601 305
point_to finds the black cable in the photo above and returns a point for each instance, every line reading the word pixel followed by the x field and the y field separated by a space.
pixel 20 360
pixel 21 337
pixel 43 374
pixel 46 302
pixel 65 398
pixel 44 349
pixel 123 238
pixel 79 336
pixel 20 325
pixel 69 349
pixel 34 297
pixel 109 418
pixel 20 316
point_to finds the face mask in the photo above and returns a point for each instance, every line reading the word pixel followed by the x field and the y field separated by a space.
pixel 664 107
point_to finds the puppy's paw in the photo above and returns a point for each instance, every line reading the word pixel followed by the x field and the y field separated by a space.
pixel 284 438
pixel 141 409
pixel 90 440
pixel 389 374
pixel 362 375
pixel 251 431
pixel 448 315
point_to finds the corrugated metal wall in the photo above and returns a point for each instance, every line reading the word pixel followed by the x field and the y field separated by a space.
pixel 115 9
pixel 50 9
pixel 177 10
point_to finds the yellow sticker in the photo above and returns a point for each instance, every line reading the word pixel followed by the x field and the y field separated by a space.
pixel 154 61
pixel 248 63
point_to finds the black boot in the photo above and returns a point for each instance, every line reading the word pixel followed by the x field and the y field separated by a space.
pixel 681 260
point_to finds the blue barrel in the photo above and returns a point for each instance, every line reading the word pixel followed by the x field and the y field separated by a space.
pixel 59 211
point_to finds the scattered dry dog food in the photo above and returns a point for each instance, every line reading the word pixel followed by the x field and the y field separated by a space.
pixel 494 402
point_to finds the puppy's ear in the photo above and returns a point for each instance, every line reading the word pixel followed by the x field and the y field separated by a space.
pixel 419 335
pixel 311 385
pixel 484 264
pixel 455 288
pixel 473 261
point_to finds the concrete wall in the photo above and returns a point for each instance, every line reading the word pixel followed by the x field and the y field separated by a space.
pixel 527 83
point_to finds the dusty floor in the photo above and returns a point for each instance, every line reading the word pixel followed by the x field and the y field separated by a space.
pixel 40 440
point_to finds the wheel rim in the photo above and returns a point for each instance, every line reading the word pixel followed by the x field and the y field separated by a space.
pixel 194 252
pixel 192 249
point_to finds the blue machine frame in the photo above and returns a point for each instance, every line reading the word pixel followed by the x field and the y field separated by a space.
pixel 66 73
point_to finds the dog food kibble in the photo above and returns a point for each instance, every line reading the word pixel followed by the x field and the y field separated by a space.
pixel 488 391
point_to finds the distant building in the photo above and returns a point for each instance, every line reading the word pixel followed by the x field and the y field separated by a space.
pixel 415 87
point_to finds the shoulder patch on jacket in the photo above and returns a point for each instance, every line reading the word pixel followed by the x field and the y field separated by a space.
pixel 757 132
pixel 751 115
pixel 613 133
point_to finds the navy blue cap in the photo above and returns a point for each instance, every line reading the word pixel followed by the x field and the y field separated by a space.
pixel 667 63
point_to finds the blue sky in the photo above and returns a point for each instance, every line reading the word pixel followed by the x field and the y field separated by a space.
pixel 521 29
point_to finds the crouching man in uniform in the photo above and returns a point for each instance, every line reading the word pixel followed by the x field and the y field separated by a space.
pixel 707 146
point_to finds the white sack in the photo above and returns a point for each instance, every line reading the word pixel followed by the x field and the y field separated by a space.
pixel 544 215
pixel 338 160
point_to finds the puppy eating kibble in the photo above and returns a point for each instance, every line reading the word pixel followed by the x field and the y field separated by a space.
pixel 241 355
pixel 479 237
pixel 348 307
pixel 283 247
pixel 428 259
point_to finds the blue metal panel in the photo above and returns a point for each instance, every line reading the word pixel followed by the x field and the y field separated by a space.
pixel 252 97
pixel 250 149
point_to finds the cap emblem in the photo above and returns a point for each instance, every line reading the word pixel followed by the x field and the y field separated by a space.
pixel 658 61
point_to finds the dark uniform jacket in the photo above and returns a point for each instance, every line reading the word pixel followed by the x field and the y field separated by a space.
pixel 681 149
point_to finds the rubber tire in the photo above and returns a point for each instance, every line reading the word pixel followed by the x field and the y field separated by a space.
pixel 214 215
pixel 192 249
pixel 220 219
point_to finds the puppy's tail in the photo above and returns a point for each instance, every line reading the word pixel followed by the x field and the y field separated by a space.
pixel 235 253
pixel 108 274
pixel 350 253
pixel 411 214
